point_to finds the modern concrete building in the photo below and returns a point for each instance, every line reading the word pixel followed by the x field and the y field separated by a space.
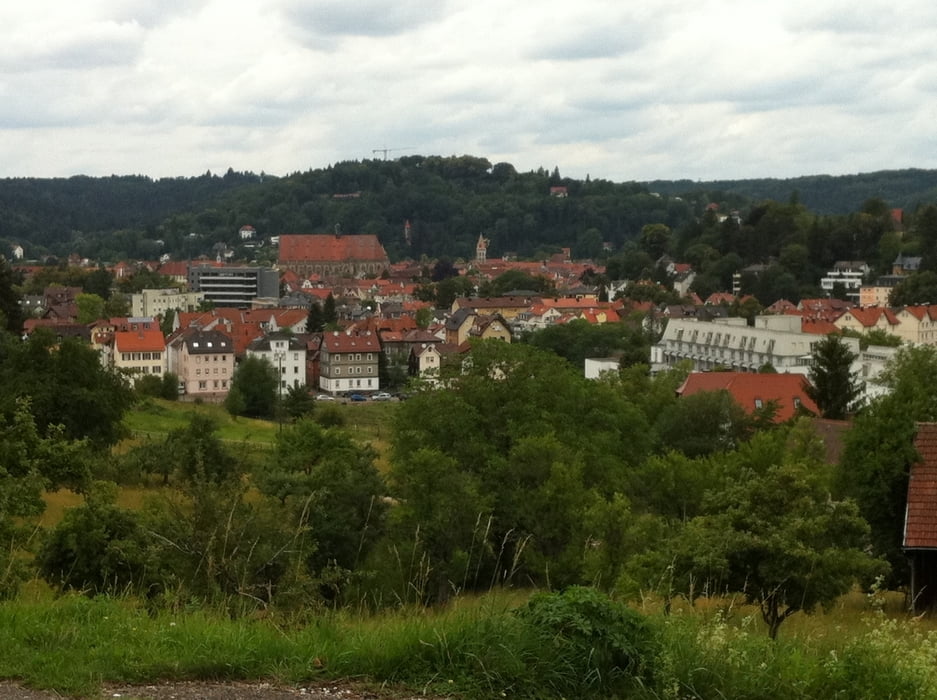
pixel 234 286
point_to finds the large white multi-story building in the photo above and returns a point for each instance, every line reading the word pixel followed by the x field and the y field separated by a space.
pixel 731 343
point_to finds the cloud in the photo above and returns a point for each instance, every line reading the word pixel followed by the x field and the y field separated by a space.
pixel 325 19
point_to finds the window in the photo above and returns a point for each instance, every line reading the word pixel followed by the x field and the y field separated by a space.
pixel 198 373
pixel 358 357
pixel 369 357
pixel 759 403
pixel 338 370
pixel 370 370
pixel 202 385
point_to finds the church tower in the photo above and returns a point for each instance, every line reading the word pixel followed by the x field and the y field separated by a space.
pixel 481 249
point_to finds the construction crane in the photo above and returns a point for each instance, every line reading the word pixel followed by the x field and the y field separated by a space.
pixel 385 151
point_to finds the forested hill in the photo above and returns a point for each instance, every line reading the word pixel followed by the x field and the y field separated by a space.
pixel 823 194
pixel 447 201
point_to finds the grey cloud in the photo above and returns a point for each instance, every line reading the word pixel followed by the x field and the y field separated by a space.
pixel 97 45
pixel 374 18
pixel 593 43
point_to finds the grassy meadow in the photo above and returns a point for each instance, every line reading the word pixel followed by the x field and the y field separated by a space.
pixel 476 647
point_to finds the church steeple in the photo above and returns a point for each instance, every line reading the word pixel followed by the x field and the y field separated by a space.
pixel 481 249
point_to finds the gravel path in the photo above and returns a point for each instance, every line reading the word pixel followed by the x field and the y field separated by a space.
pixel 215 691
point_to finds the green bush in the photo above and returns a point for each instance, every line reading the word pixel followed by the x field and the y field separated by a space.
pixel 96 548
pixel 604 646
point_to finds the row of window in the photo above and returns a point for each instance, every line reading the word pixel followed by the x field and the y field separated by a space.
pixel 214 358
pixel 353 357
pixel 223 385
pixel 198 372
pixel 140 356
pixel 354 370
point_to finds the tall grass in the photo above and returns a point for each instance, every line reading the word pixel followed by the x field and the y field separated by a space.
pixel 476 648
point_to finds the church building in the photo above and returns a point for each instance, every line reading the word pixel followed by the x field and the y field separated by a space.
pixel 332 255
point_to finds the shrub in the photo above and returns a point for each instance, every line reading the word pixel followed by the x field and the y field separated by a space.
pixel 605 646
pixel 97 548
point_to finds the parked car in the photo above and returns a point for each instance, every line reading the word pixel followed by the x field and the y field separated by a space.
pixel 357 397
pixel 381 396
pixel 324 397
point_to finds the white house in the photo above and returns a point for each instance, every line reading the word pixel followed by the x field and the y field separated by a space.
pixel 286 354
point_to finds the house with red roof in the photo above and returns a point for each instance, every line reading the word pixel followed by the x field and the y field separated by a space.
pixel 755 391
pixel 864 320
pixel 140 352
pixel 920 521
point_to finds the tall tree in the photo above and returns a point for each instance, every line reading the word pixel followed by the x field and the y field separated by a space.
pixel 833 385
pixel 315 321
pixel 11 313
pixel 253 391
pixel 329 314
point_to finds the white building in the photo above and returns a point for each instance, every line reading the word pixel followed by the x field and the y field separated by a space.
pixel 731 344
pixel 286 354
pixel 848 273
pixel 156 302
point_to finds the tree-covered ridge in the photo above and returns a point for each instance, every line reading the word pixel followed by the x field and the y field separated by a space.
pixel 824 194
pixel 447 201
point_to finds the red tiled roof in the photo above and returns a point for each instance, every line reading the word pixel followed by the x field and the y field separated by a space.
pixel 139 341
pixel 174 268
pixel 330 248
pixel 920 523
pixel 746 388
pixel 343 342
pixel 818 326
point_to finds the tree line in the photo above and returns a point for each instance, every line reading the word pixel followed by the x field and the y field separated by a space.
pixel 520 473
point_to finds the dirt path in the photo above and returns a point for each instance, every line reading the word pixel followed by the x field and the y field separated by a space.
pixel 214 691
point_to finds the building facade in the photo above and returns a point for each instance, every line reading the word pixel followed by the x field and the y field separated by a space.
pixel 286 354
pixel 140 352
pixel 349 362
pixel 732 344
pixel 203 361
pixel 234 286
pixel 156 302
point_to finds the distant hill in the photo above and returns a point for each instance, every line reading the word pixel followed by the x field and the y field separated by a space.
pixel 823 194
pixel 417 206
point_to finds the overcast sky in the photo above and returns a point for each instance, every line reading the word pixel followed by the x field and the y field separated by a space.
pixel 699 89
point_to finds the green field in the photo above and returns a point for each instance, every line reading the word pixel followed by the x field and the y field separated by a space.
pixel 368 422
